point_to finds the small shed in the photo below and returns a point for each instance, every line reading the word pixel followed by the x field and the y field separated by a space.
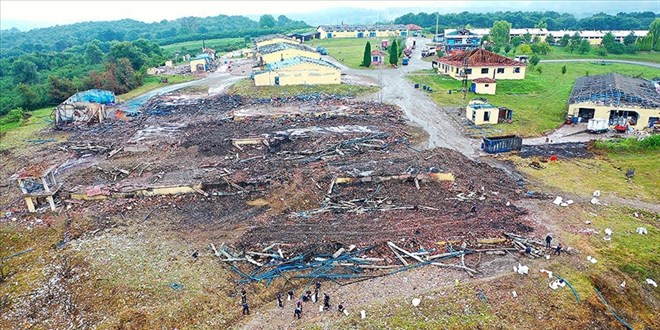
pixel 480 112
pixel 484 86
pixel 38 182
pixel 377 57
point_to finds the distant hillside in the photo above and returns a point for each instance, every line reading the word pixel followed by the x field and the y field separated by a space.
pixel 549 19
pixel 14 42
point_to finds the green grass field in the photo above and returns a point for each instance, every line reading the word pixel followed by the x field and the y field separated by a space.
pixel 560 53
pixel 195 47
pixel 538 101
pixel 348 51
pixel 15 134
pixel 246 88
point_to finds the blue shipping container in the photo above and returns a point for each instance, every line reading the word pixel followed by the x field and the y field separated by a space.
pixel 498 144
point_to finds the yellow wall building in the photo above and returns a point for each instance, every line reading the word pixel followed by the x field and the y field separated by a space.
pixel 481 64
pixel 481 112
pixel 282 51
pixel 622 100
pixel 298 71
pixel 484 86
pixel 362 31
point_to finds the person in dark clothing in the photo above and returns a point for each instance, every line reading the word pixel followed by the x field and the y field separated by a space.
pixel 297 313
pixel 340 308
pixel 246 309
pixel 299 304
pixel 474 208
pixel 318 285
pixel 557 250
pixel 290 293
pixel 548 239
pixel 243 296
pixel 316 291
pixel 279 300
pixel 528 250
pixel 307 296
pixel 326 301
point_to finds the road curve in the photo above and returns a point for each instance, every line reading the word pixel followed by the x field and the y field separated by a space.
pixel 649 64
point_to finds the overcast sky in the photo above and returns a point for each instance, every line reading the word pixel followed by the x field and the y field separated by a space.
pixel 64 12
pixel 30 14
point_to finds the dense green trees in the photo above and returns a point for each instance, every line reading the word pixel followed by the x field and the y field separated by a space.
pixel 499 33
pixel 366 57
pixel 548 19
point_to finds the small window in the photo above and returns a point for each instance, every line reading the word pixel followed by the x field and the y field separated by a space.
pixel 484 70
pixel 500 70
pixel 468 71
pixel 516 70
pixel 486 85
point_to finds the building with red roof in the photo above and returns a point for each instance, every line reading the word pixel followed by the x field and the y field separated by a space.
pixel 480 63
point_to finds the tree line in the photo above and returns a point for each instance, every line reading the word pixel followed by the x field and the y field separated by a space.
pixel 14 42
pixel 549 19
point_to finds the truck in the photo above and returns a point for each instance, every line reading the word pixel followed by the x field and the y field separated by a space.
pixel 597 125
pixel 498 144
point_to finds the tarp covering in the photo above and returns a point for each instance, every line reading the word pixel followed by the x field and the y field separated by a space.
pixel 93 95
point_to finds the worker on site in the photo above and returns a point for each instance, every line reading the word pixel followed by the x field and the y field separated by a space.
pixel 243 296
pixel 279 300
pixel 246 308
pixel 340 308
pixel 326 301
pixel 290 295
pixel 316 291
pixel 557 250
pixel 548 239
pixel 297 313
pixel 299 304
pixel 307 296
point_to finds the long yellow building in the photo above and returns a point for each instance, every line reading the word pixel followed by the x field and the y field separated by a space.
pixel 273 39
pixel 622 100
pixel 298 71
pixel 362 31
pixel 282 51
pixel 480 63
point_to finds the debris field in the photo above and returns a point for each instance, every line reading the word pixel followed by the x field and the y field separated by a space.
pixel 309 174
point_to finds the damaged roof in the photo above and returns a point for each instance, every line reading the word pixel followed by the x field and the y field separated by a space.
pixel 484 80
pixel 616 89
pixel 479 57
pixel 269 37
pixel 295 61
pixel 379 27
pixel 280 46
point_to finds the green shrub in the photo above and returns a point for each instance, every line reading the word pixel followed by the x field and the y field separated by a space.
pixel 14 116
pixel 651 143
pixel 631 144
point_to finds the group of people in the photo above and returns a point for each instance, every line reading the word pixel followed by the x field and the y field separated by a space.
pixel 306 297
pixel 548 240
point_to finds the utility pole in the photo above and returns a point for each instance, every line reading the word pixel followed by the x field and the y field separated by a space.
pixel 465 76
pixel 436 26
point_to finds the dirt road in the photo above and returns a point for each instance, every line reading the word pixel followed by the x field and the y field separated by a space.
pixel 418 107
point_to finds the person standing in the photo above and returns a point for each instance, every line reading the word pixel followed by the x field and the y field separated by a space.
pixel 548 239
pixel 290 295
pixel 279 300
pixel 326 301
pixel 243 296
pixel 297 313
pixel 246 309
pixel 557 250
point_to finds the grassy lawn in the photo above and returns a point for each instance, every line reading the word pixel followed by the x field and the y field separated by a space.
pixel 246 88
pixel 560 53
pixel 606 173
pixel 15 134
pixel 195 47
pixel 538 101
pixel 348 51
pixel 153 82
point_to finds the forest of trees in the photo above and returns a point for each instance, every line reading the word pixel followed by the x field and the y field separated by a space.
pixel 45 66
pixel 549 19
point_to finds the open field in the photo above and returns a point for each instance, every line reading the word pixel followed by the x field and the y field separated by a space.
pixel 348 51
pixel 538 101
pixel 17 134
pixel 195 47
pixel 246 88
pixel 561 53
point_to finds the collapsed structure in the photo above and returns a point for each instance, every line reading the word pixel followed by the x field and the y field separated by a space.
pixel 87 107
pixel 620 99
pixel 480 112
